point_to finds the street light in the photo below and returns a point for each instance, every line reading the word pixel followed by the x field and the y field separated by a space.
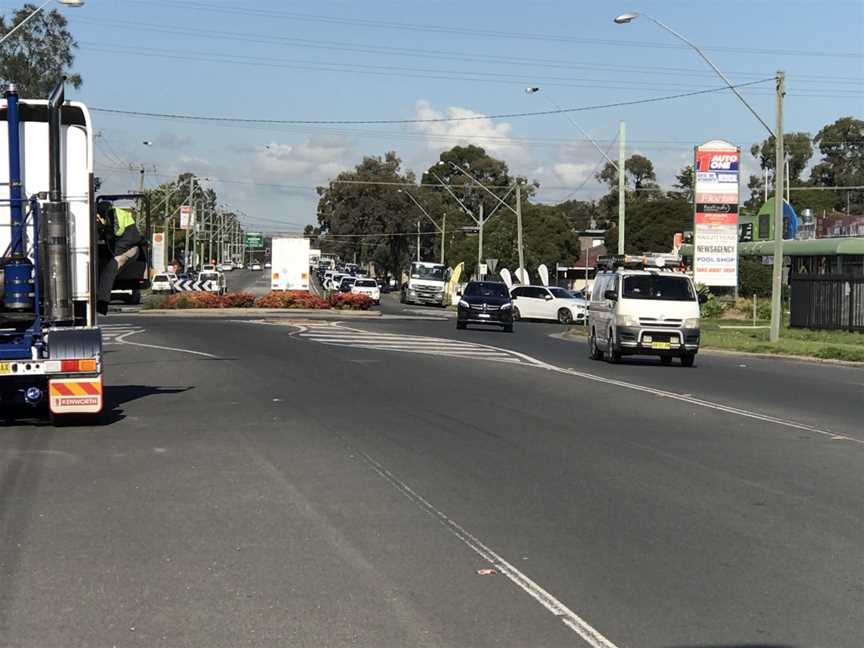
pixel 438 227
pixel 622 193
pixel 68 3
pixel 779 159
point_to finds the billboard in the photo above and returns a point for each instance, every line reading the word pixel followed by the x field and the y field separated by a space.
pixel 254 240
pixel 715 221
pixel 187 217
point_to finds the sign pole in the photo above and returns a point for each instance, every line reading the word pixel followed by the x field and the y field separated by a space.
pixel 777 275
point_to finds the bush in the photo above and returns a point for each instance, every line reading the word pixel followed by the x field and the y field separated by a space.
pixel 348 301
pixel 753 277
pixel 288 299
pixel 711 308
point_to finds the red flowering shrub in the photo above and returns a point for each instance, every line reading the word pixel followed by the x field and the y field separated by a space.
pixel 291 299
pixel 287 299
pixel 348 301
pixel 238 300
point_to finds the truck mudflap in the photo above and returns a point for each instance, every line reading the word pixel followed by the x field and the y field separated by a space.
pixel 75 395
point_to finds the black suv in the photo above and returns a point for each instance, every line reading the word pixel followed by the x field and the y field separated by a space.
pixel 485 302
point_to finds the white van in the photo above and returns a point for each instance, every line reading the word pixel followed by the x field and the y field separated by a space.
pixel 640 307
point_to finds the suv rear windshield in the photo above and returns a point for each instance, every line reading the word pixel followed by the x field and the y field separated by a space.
pixel 160 278
pixel 365 283
pixel 658 287
pixel 486 290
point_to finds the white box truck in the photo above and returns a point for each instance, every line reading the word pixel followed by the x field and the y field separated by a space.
pixel 290 259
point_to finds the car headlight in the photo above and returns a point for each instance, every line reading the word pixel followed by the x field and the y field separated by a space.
pixel 691 322
pixel 464 304
pixel 626 320
pixel 506 306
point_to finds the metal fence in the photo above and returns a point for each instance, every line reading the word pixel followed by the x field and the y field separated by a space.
pixel 827 302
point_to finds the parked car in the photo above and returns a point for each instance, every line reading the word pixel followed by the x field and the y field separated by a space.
pixel 367 287
pixel 487 303
pixel 256 266
pixel 548 303
pixel 226 267
pixel 161 284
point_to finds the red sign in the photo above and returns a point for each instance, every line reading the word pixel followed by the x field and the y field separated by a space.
pixel 717 160
pixel 716 219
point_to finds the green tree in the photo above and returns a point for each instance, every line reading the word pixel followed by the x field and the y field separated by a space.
pixel 638 173
pixel 651 225
pixel 685 180
pixel 582 214
pixel 842 147
pixel 798 148
pixel 39 54
pixel 362 214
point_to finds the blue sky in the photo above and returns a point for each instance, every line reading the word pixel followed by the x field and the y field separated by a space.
pixel 388 59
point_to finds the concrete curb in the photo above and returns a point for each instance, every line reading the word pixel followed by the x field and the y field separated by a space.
pixel 574 337
pixel 258 312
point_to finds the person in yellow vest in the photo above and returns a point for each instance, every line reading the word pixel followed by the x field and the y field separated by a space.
pixel 117 227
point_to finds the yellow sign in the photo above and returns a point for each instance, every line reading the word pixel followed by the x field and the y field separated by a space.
pixel 5 368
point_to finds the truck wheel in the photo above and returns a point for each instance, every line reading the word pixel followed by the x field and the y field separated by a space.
pixel 687 359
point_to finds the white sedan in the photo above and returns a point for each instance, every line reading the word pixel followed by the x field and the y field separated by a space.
pixel 256 266
pixel 367 287
pixel 549 303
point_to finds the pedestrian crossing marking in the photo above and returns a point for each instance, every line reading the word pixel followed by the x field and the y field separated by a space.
pixel 110 332
pixel 333 334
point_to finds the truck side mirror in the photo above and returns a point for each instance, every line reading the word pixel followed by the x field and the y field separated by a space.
pixel 611 295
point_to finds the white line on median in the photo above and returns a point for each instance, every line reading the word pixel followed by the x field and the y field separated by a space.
pixel 122 340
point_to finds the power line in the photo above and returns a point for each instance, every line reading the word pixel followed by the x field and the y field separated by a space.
pixel 537 113
pixel 363 48
pixel 465 31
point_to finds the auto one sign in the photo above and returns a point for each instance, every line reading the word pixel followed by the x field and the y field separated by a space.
pixel 715 221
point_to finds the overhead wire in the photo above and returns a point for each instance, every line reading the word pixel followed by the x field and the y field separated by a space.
pixel 474 32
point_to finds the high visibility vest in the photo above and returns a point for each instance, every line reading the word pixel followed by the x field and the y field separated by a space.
pixel 123 218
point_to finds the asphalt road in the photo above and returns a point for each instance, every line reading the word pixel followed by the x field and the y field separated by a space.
pixel 256 282
pixel 259 484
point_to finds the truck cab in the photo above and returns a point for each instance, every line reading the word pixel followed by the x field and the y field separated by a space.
pixel 425 283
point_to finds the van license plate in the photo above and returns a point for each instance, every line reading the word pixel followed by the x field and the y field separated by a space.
pixel 5 368
pixel 661 346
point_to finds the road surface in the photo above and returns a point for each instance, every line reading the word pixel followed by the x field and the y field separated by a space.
pixel 348 484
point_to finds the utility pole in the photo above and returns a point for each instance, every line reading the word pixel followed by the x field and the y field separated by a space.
pixel 480 243
pixel 779 167
pixel 519 224
pixel 443 229
pixel 418 240
pixel 621 186
pixel 186 265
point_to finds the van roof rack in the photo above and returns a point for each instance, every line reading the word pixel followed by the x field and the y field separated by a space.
pixel 650 261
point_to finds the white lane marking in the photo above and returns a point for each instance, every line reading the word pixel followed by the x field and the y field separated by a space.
pixel 332 334
pixel 110 332
pixel 685 398
pixel 122 340
pixel 580 626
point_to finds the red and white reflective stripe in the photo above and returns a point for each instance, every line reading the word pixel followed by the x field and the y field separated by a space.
pixel 75 395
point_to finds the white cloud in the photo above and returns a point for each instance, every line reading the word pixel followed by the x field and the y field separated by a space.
pixel 573 173
pixel 313 161
pixel 494 137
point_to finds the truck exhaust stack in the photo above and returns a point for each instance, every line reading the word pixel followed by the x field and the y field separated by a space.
pixel 54 250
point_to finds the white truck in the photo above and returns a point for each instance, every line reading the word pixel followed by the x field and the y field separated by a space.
pixel 290 260
pixel 425 283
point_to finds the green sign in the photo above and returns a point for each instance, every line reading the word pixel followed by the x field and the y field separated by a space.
pixel 254 240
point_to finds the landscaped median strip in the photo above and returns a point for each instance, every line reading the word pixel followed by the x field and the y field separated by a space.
pixel 800 344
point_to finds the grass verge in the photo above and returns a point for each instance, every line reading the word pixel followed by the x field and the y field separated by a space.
pixel 825 345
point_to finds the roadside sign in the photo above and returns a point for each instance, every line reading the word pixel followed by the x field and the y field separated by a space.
pixel 254 240
pixel 715 221
pixel 187 217
pixel 484 270
pixel 492 264
pixel 158 252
